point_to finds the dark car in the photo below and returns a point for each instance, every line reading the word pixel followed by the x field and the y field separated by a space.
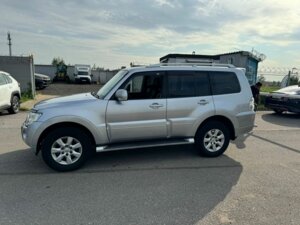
pixel 41 81
pixel 284 100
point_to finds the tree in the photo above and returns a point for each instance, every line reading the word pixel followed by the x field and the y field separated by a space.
pixel 294 80
pixel 57 61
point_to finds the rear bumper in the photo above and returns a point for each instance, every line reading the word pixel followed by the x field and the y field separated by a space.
pixel 283 106
pixel 245 123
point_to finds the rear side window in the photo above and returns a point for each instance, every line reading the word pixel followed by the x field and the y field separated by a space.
pixel 8 79
pixel 183 84
pixel 2 79
pixel 224 83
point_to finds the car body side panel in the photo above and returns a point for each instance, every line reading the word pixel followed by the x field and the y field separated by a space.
pixel 183 120
pixel 136 120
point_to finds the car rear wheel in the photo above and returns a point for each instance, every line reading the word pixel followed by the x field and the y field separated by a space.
pixel 212 139
pixel 66 149
pixel 15 105
pixel 278 111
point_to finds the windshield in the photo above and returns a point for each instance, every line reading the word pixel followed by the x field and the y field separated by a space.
pixel 82 73
pixel 111 83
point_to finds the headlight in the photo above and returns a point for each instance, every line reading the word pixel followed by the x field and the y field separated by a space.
pixel 32 117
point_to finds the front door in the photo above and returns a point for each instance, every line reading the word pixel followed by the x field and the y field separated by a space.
pixel 143 115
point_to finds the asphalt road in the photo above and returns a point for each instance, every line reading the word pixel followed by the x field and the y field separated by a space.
pixel 257 181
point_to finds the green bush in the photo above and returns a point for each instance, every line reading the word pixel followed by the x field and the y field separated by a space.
pixel 25 96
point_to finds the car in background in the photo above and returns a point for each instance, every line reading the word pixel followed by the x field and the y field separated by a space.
pixel 284 100
pixel 41 81
pixel 10 93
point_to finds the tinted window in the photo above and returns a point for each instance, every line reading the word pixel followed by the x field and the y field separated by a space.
pixel 2 79
pixel 187 84
pixel 224 83
pixel 202 84
pixel 82 73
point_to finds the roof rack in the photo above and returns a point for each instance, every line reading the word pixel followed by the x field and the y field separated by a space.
pixel 193 64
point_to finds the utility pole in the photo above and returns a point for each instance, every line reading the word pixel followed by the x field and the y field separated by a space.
pixel 9 42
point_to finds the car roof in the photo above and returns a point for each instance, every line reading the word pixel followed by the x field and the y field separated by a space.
pixel 5 73
pixel 184 67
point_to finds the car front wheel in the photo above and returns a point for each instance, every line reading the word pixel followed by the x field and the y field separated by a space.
pixel 66 149
pixel 212 139
pixel 15 105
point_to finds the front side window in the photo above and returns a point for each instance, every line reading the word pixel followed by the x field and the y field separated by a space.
pixel 111 84
pixel 145 85
pixel 224 83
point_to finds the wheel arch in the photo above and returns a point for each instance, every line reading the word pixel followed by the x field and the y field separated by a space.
pixel 63 124
pixel 15 93
pixel 227 122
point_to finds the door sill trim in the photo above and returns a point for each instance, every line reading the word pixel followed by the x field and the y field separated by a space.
pixel 144 144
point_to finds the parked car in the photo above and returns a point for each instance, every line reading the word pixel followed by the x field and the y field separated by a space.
pixel 141 107
pixel 10 93
pixel 83 73
pixel 41 81
pixel 284 100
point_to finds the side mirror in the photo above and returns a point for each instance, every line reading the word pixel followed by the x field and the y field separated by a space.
pixel 121 95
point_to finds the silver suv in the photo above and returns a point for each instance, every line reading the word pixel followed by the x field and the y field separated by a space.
pixel 157 105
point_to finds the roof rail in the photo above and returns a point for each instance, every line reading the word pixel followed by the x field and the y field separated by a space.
pixel 193 64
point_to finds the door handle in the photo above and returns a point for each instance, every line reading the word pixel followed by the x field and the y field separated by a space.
pixel 203 102
pixel 156 106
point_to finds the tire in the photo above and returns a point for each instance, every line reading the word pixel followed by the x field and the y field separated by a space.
pixel 15 105
pixel 66 148
pixel 212 139
pixel 278 111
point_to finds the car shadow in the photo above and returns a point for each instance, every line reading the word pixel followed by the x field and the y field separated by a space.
pixel 285 119
pixel 4 113
pixel 170 185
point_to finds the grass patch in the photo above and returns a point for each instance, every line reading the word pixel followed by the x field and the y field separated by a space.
pixel 269 88
pixel 26 96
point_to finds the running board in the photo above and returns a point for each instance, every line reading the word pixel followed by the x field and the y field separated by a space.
pixel 144 144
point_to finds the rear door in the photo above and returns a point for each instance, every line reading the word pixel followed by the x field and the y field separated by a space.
pixel 143 115
pixel 189 101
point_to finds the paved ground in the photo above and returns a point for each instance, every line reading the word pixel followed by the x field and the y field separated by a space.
pixel 59 89
pixel 255 182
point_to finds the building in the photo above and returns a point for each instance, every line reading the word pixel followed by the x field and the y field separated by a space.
pixel 22 69
pixel 99 76
pixel 244 59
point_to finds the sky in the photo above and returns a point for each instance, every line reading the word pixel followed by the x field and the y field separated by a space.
pixel 114 33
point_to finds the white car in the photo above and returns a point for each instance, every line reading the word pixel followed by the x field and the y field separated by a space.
pixel 10 93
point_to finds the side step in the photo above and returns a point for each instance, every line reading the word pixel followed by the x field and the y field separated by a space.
pixel 144 144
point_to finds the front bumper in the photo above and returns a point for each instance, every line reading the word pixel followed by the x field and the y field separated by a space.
pixel 30 135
